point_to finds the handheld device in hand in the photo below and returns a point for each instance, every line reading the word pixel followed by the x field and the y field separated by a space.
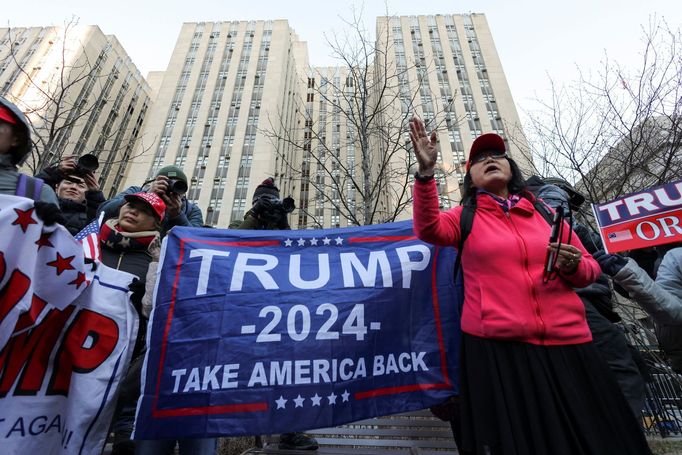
pixel 555 235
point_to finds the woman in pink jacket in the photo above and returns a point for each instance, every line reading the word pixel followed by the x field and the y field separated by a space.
pixel 531 380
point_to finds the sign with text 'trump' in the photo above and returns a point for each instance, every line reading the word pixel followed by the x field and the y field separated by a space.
pixel 639 220
pixel 260 332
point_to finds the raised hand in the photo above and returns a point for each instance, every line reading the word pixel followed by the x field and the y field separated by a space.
pixel 159 186
pixel 173 204
pixel 67 164
pixel 91 181
pixel 425 146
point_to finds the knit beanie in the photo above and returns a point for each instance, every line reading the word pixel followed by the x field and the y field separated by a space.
pixel 267 187
pixel 172 172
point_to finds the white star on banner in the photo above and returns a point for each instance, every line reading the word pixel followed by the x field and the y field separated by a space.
pixel 301 242
pixel 338 240
pixel 281 402
pixel 316 399
pixel 332 398
pixel 313 241
pixel 287 242
pixel 326 240
pixel 345 395
pixel 299 401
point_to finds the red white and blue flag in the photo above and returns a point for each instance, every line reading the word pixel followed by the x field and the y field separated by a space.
pixel 620 236
pixel 89 237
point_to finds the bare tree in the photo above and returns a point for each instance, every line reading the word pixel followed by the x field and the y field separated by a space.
pixel 618 130
pixel 74 100
pixel 354 153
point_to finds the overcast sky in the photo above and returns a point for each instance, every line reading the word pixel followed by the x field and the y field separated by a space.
pixel 534 38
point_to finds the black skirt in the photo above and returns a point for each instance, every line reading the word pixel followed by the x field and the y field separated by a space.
pixel 524 399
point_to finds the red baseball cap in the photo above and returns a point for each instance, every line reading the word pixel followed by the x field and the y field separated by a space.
pixel 7 116
pixel 152 200
pixel 485 143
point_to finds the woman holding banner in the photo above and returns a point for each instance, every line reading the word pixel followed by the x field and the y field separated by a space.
pixel 131 243
pixel 531 380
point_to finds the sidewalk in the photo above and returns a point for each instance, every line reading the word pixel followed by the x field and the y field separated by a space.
pixel 666 446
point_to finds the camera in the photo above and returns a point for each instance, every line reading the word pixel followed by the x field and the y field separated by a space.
pixel 271 208
pixel 177 186
pixel 288 204
pixel 87 164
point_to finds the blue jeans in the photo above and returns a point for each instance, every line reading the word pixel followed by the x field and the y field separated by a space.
pixel 166 446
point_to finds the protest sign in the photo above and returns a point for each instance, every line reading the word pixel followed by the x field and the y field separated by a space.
pixel 58 379
pixel 259 332
pixel 30 250
pixel 639 220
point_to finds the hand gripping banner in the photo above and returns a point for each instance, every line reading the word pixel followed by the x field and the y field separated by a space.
pixel 260 332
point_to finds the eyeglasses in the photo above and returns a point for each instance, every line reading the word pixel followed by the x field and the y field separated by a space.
pixel 481 157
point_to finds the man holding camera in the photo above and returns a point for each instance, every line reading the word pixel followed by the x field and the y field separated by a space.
pixel 268 212
pixel 77 190
pixel 170 185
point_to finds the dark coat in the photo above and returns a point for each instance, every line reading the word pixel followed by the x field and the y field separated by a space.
pixel 131 261
pixel 77 215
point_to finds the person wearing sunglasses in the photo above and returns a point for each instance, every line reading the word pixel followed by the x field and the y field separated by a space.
pixel 531 380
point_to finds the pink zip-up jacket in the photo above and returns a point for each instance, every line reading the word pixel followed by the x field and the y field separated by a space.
pixel 503 260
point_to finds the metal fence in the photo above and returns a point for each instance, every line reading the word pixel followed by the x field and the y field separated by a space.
pixel 662 414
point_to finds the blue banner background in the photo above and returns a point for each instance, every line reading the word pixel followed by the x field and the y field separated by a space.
pixel 221 327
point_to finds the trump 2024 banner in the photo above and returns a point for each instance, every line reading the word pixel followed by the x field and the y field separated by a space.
pixel 639 220
pixel 260 332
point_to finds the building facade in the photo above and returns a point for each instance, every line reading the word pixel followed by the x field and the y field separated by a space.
pixel 81 92
pixel 239 102
pixel 452 77
pixel 224 83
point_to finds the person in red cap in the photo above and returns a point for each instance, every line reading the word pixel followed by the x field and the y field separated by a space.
pixel 531 380
pixel 15 146
pixel 130 243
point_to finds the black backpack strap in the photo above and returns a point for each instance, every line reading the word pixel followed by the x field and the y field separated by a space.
pixel 29 187
pixel 547 214
pixel 543 210
pixel 466 221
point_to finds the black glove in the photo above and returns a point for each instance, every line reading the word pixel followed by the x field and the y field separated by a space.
pixel 261 207
pixel 610 264
pixel 48 213
pixel 137 288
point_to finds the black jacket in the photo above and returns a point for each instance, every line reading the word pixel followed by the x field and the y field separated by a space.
pixel 131 261
pixel 77 215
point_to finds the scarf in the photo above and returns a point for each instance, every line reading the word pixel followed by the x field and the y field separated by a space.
pixel 112 237
pixel 506 204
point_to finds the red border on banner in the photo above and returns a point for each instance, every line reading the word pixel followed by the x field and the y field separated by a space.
pixel 263 406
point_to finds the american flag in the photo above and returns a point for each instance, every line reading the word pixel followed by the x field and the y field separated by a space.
pixel 620 236
pixel 89 237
